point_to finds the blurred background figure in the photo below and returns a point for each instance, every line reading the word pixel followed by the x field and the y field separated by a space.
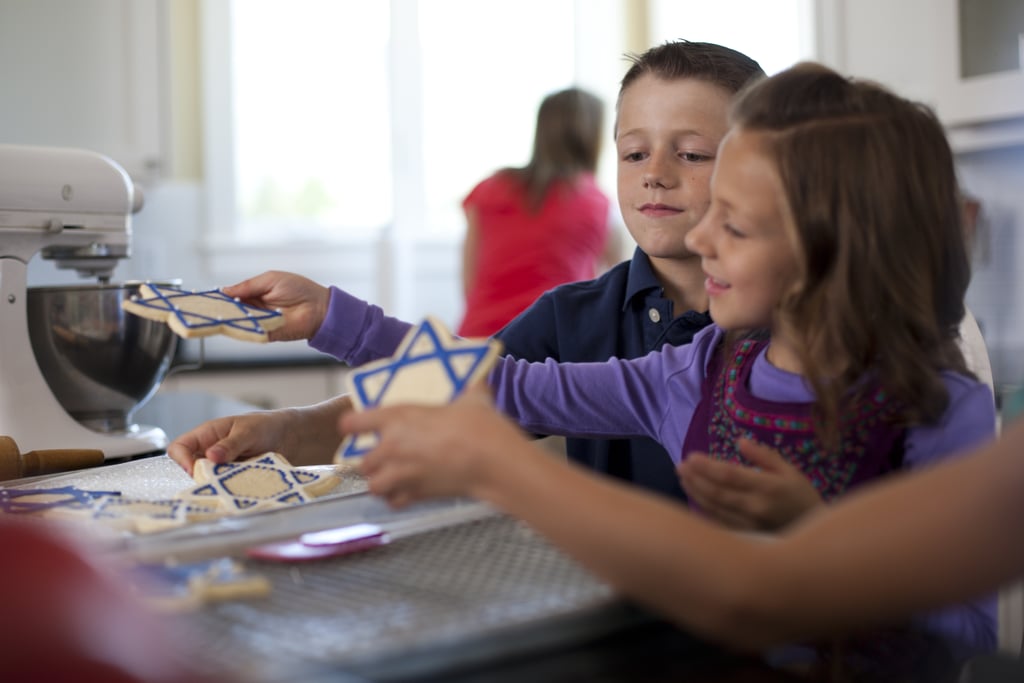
pixel 68 617
pixel 529 229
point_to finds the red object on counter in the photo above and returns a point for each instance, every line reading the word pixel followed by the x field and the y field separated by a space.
pixel 68 618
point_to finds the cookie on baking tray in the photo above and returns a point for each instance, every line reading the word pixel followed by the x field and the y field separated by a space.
pixel 43 501
pixel 262 483
pixel 109 508
pixel 430 367
pixel 203 313
pixel 174 587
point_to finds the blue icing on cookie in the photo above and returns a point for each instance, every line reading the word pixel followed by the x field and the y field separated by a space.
pixel 248 320
pixel 28 501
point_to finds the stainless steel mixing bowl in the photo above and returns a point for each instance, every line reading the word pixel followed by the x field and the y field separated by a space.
pixel 101 362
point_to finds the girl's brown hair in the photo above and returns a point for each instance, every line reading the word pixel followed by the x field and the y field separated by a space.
pixel 871 185
pixel 566 143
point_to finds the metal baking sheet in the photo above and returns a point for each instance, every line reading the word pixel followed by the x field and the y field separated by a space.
pixel 460 589
pixel 457 580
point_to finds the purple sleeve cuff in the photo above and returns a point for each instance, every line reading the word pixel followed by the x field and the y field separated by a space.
pixel 357 332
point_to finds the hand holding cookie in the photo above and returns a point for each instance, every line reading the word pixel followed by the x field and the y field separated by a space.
pixel 436 451
pixel 308 435
pixel 302 301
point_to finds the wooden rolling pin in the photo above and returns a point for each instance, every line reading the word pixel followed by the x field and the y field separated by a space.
pixel 14 464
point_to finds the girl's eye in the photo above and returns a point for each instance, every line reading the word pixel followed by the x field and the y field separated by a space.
pixel 732 230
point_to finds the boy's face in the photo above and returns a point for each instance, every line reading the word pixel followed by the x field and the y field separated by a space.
pixel 667 137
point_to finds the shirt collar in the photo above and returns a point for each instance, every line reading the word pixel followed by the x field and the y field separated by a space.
pixel 641 279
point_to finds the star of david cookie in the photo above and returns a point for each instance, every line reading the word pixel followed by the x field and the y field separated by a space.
pixel 44 501
pixel 203 313
pixel 430 367
pixel 148 516
pixel 262 483
pixel 109 508
pixel 181 587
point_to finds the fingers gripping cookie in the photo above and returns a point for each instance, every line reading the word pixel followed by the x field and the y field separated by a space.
pixel 203 313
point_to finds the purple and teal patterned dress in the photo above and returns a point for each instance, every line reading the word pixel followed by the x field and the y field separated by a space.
pixel 869 446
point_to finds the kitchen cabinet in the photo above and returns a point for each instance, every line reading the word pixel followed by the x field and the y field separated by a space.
pixel 981 72
pixel 89 74
pixel 915 47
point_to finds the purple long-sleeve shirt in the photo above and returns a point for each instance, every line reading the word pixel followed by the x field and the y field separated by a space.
pixel 656 395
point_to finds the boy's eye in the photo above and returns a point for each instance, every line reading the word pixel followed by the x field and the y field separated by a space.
pixel 633 156
pixel 694 157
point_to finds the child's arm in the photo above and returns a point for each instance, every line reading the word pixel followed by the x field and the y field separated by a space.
pixel 470 250
pixel 969 420
pixel 335 322
pixel 357 332
pixel 305 436
pixel 652 396
pixel 881 544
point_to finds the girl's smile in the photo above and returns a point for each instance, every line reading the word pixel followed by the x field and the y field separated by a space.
pixel 714 287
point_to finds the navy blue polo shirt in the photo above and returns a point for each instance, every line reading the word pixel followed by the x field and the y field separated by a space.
pixel 623 314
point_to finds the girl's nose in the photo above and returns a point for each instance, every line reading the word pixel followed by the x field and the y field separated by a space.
pixel 696 240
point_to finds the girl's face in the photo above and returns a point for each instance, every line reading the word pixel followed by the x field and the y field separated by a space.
pixel 745 239
pixel 667 134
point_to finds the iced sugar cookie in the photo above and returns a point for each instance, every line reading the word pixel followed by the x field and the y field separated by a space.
pixel 268 481
pixel 182 587
pixel 430 367
pixel 149 516
pixel 203 313
pixel 50 501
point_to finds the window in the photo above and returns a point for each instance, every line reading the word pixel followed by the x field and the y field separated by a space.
pixel 777 34
pixel 341 136
pixel 348 117
pixel 312 140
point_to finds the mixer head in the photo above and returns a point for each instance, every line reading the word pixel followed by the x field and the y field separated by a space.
pixel 72 205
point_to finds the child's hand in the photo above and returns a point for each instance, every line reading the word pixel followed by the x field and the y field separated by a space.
pixel 435 451
pixel 765 497
pixel 302 301
pixel 304 436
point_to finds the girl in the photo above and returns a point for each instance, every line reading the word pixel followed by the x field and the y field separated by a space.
pixel 836 271
pixel 532 228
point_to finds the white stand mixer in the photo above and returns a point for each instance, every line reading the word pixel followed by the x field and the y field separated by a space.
pixel 75 207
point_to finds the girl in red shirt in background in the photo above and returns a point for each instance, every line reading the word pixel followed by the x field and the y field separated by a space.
pixel 530 229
